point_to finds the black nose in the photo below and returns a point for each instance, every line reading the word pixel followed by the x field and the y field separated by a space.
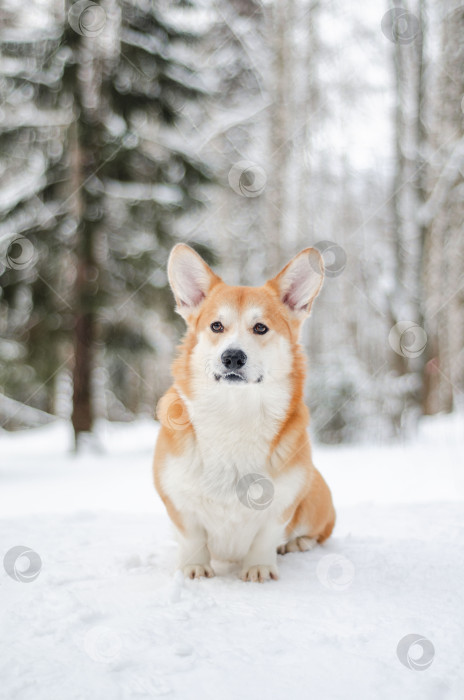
pixel 233 359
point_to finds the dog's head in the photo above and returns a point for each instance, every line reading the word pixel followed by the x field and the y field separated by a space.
pixel 243 335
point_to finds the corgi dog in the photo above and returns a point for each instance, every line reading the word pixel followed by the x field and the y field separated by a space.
pixel 233 461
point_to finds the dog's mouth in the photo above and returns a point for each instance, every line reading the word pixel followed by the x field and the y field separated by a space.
pixel 230 377
pixel 235 377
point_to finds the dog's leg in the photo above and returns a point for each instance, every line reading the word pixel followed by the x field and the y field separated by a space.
pixel 194 556
pixel 298 544
pixel 260 564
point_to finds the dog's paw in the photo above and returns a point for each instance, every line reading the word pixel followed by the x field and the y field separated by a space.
pixel 299 544
pixel 197 571
pixel 260 572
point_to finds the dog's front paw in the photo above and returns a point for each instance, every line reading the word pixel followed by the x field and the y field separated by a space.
pixel 260 572
pixel 197 571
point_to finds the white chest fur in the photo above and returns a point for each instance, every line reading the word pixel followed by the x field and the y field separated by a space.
pixel 210 483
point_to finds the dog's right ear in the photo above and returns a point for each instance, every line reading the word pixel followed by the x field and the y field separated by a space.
pixel 190 278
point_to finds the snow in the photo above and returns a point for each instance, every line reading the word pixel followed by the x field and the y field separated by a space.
pixel 137 191
pixel 25 185
pixel 107 617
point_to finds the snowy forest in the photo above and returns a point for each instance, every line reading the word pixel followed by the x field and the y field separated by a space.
pixel 250 130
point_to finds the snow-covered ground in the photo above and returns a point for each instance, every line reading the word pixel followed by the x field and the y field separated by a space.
pixel 106 616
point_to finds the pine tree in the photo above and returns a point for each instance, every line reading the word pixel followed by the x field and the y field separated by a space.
pixel 33 231
pixel 127 89
pixel 126 71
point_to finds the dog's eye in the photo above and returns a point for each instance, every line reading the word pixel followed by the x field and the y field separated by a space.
pixel 260 329
pixel 217 327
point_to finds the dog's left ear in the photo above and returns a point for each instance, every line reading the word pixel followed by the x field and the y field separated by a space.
pixel 300 281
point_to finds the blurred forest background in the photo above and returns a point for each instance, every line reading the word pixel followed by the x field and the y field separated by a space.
pixel 249 130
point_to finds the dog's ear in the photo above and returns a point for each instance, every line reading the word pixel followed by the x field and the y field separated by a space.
pixel 190 278
pixel 300 281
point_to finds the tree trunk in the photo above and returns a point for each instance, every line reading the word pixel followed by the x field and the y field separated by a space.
pixel 445 213
pixel 82 416
pixel 280 130
pixel 409 194
pixel 88 208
